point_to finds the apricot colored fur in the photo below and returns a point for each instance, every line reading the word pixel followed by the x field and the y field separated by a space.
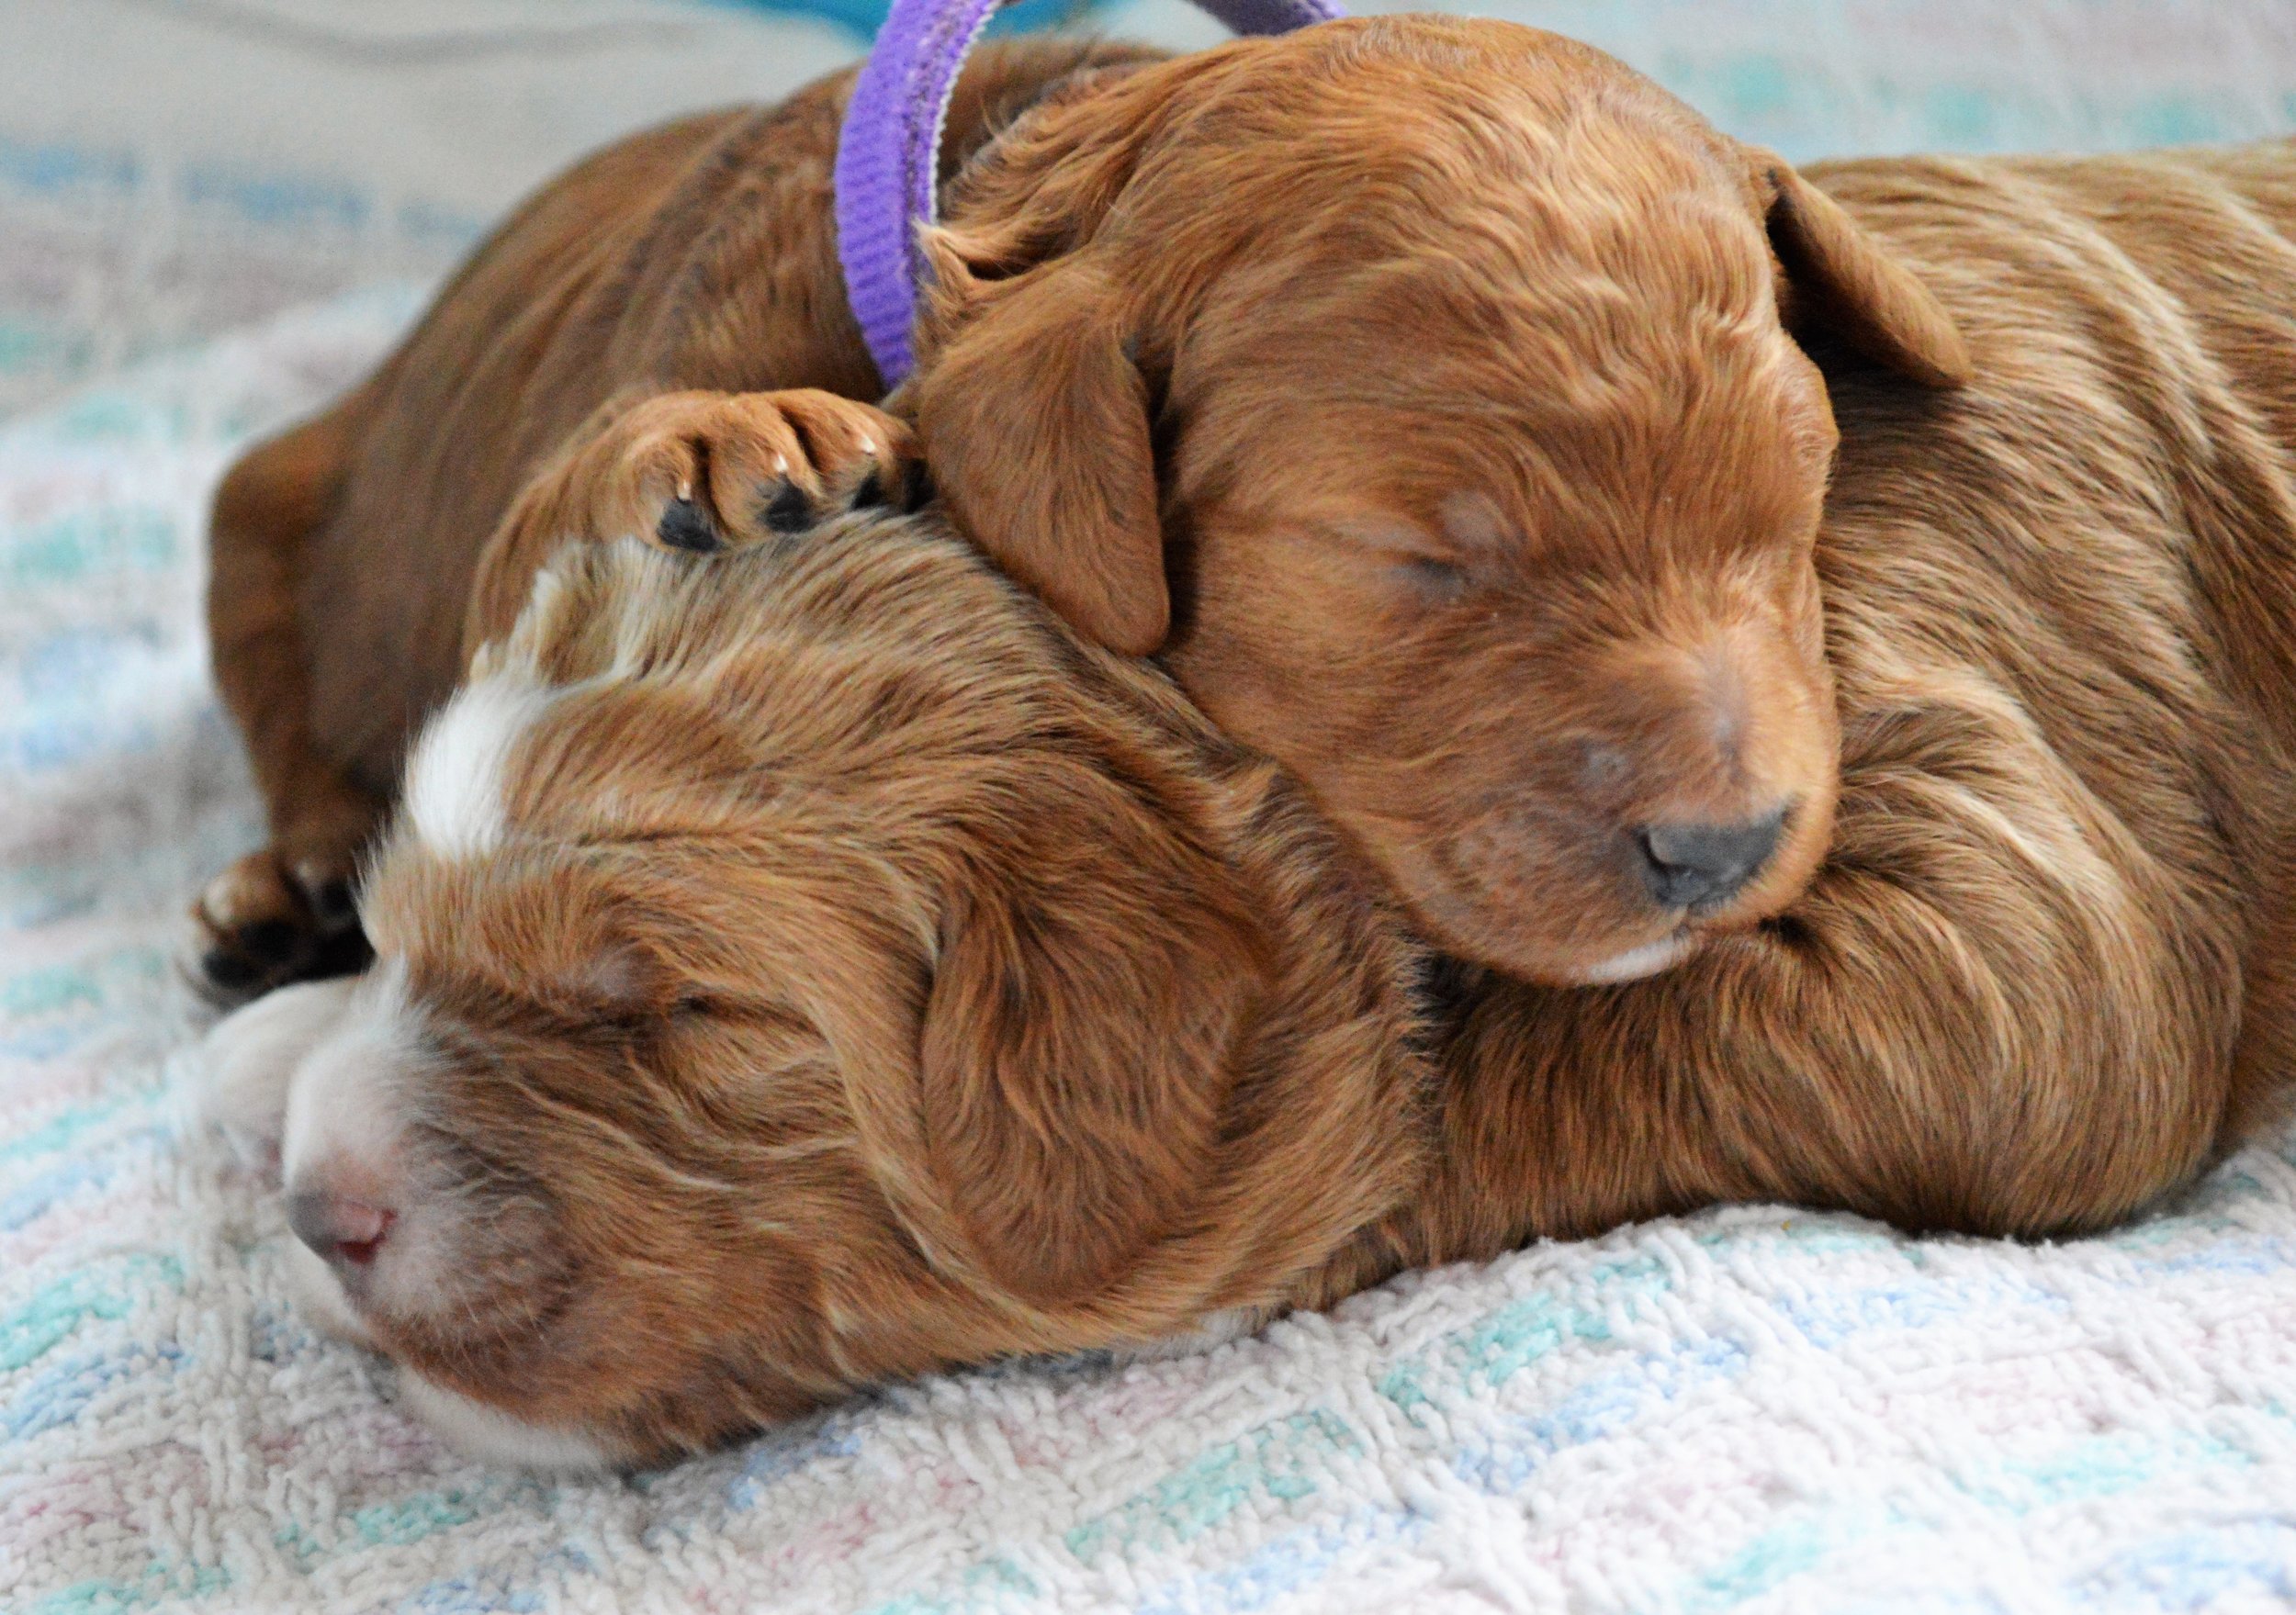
pixel 1324 366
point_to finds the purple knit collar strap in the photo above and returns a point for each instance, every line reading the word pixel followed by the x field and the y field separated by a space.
pixel 888 154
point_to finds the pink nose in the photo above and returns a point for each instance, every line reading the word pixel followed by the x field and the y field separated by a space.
pixel 339 1230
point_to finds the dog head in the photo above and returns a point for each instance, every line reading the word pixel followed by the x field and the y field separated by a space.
pixel 1423 390
pixel 814 968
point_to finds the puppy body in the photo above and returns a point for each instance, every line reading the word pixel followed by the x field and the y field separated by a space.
pixel 1538 291
pixel 812 967
pixel 2043 975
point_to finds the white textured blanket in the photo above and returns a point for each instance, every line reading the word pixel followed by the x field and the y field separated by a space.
pixel 1757 1409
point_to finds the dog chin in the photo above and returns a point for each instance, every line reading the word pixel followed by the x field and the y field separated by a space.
pixel 492 1435
pixel 1637 963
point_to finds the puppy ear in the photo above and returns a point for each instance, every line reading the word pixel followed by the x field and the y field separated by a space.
pixel 1840 278
pixel 1079 1043
pixel 1035 422
pixel 1034 413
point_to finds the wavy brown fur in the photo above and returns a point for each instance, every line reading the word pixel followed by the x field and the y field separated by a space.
pixel 869 980
pixel 1513 324
pixel 2041 976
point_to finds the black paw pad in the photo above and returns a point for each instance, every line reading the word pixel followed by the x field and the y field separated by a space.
pixel 228 971
pixel 332 905
pixel 268 942
pixel 789 510
pixel 343 954
pixel 684 527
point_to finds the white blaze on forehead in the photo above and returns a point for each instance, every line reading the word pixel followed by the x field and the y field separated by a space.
pixel 454 791
pixel 342 1122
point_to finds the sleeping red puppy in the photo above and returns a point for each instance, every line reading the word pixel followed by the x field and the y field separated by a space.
pixel 1420 390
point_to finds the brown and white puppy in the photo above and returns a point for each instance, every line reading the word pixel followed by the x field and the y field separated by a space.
pixel 1421 390
pixel 810 967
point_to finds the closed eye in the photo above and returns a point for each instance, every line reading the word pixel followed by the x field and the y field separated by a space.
pixel 1433 572
pixel 1438 579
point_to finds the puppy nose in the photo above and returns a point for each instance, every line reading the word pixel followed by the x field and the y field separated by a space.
pixel 1684 865
pixel 341 1231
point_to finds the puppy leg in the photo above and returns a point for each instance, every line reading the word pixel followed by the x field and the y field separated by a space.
pixel 284 913
pixel 700 472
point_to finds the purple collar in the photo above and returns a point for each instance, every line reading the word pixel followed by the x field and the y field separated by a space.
pixel 888 153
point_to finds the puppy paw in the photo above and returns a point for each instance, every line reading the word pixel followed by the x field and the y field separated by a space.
pixel 272 919
pixel 703 472
pixel 248 1063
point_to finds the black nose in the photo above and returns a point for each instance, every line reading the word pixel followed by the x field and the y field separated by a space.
pixel 1685 865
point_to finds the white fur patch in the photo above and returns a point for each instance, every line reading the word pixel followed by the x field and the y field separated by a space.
pixel 1214 1328
pixel 1638 962
pixel 250 1057
pixel 338 1106
pixel 454 791
pixel 476 1431
pixel 345 1135
pixel 318 1296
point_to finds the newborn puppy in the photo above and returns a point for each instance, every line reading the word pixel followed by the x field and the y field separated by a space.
pixel 1421 390
pixel 813 967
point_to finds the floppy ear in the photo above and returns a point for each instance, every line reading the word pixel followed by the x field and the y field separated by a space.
pixel 1034 414
pixel 1034 420
pixel 1089 1009
pixel 1840 278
